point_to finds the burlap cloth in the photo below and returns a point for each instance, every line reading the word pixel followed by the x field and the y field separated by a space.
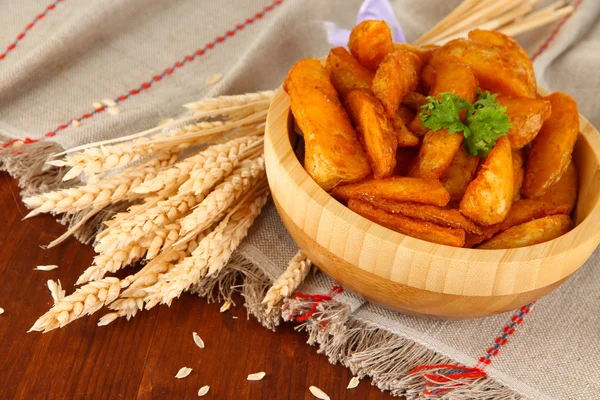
pixel 67 55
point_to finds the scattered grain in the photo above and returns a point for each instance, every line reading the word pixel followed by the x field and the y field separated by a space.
pixel 98 106
pixel 353 383
pixel 113 110
pixel 203 390
pixel 18 143
pixel 318 393
pixel 1 310
pixel 211 80
pixel 183 372
pixel 198 340
pixel 109 102
pixel 45 267
pixel 226 306
pixel 257 376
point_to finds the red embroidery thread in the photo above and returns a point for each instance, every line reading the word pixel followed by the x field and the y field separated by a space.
pixel 555 32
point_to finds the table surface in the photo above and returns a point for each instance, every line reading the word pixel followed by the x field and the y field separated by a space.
pixel 138 359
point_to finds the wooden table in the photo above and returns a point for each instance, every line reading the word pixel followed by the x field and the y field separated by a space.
pixel 138 359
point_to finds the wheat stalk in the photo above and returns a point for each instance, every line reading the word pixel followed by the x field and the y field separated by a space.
pixel 223 196
pixel 98 195
pixel 225 102
pixel 86 300
pixel 211 255
pixel 288 282
pixel 226 154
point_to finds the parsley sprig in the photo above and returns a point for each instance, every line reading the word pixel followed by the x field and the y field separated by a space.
pixel 485 120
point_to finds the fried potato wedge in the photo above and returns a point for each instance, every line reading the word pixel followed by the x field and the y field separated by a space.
pixel 347 73
pixel 526 116
pixel 459 174
pixel 455 78
pixel 530 233
pixel 511 47
pixel 424 53
pixel 494 68
pixel 333 153
pixel 525 210
pixel 396 188
pixel 450 218
pixel 436 154
pixel 518 172
pixel 375 131
pixel 489 196
pixel 405 137
pixel 418 229
pixel 414 101
pixel 396 76
pixel 370 41
pixel 563 192
pixel 405 114
pixel 552 147
pixel 404 159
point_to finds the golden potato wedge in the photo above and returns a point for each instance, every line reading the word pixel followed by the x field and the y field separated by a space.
pixel 396 76
pixel 370 41
pixel 375 131
pixel 489 196
pixel 563 192
pixel 472 240
pixel 436 154
pixel 424 53
pixel 450 218
pixel 530 233
pixel 414 101
pixel 404 159
pixel 518 172
pixel 405 137
pixel 455 78
pixel 459 174
pixel 333 153
pixel 511 47
pixel 407 226
pixel 552 147
pixel 396 188
pixel 417 127
pixel 526 116
pixel 494 68
pixel 346 73
pixel 405 114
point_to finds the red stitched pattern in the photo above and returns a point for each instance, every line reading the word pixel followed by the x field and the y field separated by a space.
pixel 144 86
pixel 555 32
pixel 29 27
pixel 314 300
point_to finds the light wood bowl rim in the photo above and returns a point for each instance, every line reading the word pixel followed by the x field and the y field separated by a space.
pixel 582 239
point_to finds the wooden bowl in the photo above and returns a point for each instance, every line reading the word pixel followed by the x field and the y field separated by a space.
pixel 414 276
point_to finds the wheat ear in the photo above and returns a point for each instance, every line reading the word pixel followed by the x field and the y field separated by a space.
pixel 211 255
pixel 86 300
pixel 224 102
pixel 223 196
pixel 288 282
pixel 219 156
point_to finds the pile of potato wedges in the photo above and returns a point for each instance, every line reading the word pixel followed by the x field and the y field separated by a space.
pixel 365 142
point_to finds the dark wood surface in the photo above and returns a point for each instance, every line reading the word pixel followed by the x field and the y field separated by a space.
pixel 138 359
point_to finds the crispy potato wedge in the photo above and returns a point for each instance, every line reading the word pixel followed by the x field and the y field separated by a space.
pixel 563 192
pixel 396 188
pixel 405 137
pixel 436 154
pixel 407 226
pixel 494 68
pixel 525 210
pixel 510 46
pixel 424 53
pixel 414 101
pixel 375 131
pixel 404 159
pixel 489 196
pixel 552 147
pixel 333 153
pixel 472 240
pixel 530 233
pixel 370 41
pixel 405 114
pixel 450 218
pixel 526 116
pixel 459 174
pixel 396 76
pixel 455 78
pixel 346 73
pixel 518 172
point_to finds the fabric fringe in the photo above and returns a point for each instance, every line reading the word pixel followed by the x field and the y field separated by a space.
pixel 28 164
pixel 387 358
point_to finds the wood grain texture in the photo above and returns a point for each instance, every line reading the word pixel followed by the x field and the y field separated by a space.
pixel 138 359
pixel 419 277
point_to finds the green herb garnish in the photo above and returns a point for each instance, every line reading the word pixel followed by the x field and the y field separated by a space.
pixel 485 120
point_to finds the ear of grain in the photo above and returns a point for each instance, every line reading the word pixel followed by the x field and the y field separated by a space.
pixel 288 282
